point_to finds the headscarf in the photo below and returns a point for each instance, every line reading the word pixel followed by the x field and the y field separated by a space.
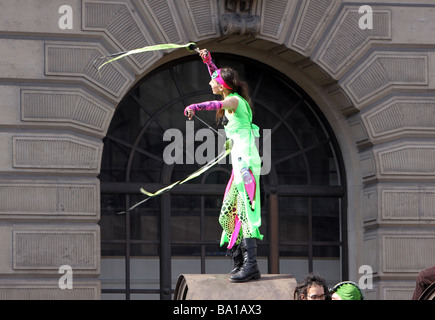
pixel 348 290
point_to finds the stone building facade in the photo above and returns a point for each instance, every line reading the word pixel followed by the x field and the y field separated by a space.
pixel 375 85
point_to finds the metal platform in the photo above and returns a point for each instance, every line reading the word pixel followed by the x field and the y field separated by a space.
pixel 218 287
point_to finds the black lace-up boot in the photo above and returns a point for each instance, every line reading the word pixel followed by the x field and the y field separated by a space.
pixel 236 253
pixel 249 270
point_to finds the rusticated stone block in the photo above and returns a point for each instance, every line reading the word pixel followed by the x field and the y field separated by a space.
pixel 401 116
pixel 369 207
pixel 276 19
pixel 419 250
pixel 397 290
pixel 311 19
pixel 24 200
pixel 399 204
pixel 398 252
pixel 57 107
pixel 346 38
pixel 359 132
pixel 383 70
pixel 203 16
pixel 408 203
pixel 48 289
pixel 164 16
pixel 114 18
pixel 368 165
pixel 370 255
pixel 64 153
pixel 49 249
pixel 407 159
pixel 79 60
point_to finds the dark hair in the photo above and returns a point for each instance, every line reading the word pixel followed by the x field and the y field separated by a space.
pixel 232 79
pixel 310 280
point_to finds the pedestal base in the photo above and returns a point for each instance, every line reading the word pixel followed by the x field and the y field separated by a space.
pixel 218 287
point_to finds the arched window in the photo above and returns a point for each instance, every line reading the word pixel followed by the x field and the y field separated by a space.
pixel 303 215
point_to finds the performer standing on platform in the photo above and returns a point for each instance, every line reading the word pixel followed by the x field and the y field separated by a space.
pixel 240 215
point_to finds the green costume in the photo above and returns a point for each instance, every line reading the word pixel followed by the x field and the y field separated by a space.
pixel 243 154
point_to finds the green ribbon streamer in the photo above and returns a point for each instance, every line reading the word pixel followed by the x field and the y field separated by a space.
pixel 157 47
pixel 228 146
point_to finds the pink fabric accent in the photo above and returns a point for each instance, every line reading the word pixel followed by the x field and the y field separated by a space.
pixel 235 234
pixel 250 188
pixel 209 105
pixel 207 58
pixel 210 65
pixel 238 223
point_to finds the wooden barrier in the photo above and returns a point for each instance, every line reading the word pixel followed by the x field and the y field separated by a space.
pixel 218 287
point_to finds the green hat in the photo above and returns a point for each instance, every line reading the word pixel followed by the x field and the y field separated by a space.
pixel 348 290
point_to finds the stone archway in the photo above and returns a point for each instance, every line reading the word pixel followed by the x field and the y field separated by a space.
pixel 374 86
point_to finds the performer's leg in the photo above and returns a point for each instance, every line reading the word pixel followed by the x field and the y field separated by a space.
pixel 241 213
pixel 236 253
pixel 249 270
pixel 227 221
pixel 228 212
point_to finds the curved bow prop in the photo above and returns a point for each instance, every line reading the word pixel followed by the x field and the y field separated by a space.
pixel 228 146
pixel 191 46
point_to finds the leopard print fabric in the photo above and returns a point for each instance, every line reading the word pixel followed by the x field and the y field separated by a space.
pixel 234 204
